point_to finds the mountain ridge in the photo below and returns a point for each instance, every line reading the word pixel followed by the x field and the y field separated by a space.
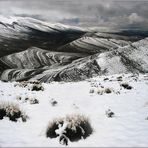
pixel 70 54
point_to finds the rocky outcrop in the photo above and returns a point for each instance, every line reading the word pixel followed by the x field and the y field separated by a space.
pixel 34 58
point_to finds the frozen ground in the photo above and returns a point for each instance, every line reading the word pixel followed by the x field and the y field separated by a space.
pixel 129 126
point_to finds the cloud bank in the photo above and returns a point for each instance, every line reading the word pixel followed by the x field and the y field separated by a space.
pixel 106 13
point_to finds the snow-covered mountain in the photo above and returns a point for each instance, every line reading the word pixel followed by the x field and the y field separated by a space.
pixel 18 34
pixel 66 53
pixel 34 58
pixel 107 106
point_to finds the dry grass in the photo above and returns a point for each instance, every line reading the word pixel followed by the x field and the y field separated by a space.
pixel 12 111
pixel 77 127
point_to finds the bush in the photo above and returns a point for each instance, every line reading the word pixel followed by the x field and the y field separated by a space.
pixel 33 101
pixel 100 91
pixel 53 102
pixel 109 113
pixel 34 82
pixel 32 85
pixel 73 128
pixel 107 90
pixel 126 86
pixel 12 111
pixel 53 126
pixel 105 79
pixel 91 91
pixel 37 87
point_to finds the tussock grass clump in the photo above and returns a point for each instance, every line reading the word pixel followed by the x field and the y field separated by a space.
pixel 21 84
pixel 36 87
pixel 12 111
pixel 53 126
pixel 107 90
pixel 105 79
pixel 125 85
pixel 100 91
pixel 27 99
pixel 53 102
pixel 34 101
pixel 34 82
pixel 32 85
pixel 109 113
pixel 72 127
pixel 91 91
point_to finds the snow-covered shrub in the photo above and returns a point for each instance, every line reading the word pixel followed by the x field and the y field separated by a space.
pixel 53 126
pixel 107 90
pixel 34 82
pixel 18 98
pixel 72 127
pixel 117 92
pixel 100 91
pixel 12 111
pixel 33 101
pixel 109 113
pixel 91 91
pixel 125 85
pixel 53 102
pixel 32 85
pixel 21 84
pixel 78 127
pixel 103 90
pixel 105 79
pixel 36 87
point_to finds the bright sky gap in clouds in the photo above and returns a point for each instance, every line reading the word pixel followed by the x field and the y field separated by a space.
pixel 117 14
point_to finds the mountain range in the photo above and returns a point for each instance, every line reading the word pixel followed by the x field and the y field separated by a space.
pixel 35 50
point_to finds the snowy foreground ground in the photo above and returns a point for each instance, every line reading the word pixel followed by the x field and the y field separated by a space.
pixel 128 127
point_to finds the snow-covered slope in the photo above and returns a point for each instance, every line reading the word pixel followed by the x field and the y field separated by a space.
pixel 66 70
pixel 92 45
pixel 34 58
pixel 65 53
pixel 18 34
pixel 127 128
pixel 130 58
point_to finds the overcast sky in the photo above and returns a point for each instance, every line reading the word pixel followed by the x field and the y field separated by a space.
pixel 117 14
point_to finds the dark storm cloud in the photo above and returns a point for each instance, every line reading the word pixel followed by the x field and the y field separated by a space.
pixel 117 14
